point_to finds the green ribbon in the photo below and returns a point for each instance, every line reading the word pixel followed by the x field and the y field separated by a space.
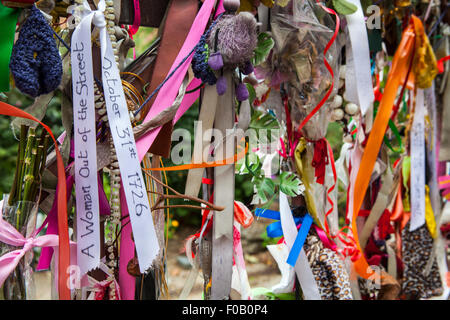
pixel 394 129
pixel 8 18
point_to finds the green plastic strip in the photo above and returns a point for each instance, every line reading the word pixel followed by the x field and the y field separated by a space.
pixel 8 18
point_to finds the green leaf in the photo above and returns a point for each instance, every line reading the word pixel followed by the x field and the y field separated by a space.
pixel 253 164
pixel 263 47
pixel 251 93
pixel 264 187
pixel 344 7
pixel 290 184
pixel 262 120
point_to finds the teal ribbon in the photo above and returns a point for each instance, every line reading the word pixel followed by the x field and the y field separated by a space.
pixel 8 18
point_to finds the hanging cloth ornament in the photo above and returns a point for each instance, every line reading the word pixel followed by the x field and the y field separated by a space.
pixel 229 44
pixel 35 61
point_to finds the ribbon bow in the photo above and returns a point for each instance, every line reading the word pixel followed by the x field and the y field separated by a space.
pixel 9 235
pixel 275 230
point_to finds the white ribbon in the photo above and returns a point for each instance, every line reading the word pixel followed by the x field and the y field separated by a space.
pixel 418 164
pixel 144 233
pixel 86 186
pixel 280 253
pixel 359 88
pixel 302 267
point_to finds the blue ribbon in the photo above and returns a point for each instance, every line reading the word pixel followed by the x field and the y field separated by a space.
pixel 300 240
pixel 274 230
pixel 268 214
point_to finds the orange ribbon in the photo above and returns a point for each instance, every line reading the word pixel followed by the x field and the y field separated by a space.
pixel 396 77
pixel 218 163
pixel 63 230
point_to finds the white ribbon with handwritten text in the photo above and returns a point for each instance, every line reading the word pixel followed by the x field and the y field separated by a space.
pixel 86 186
pixel 418 164
pixel 133 185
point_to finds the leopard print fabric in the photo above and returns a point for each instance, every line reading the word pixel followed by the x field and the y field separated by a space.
pixel 416 250
pixel 368 289
pixel 328 269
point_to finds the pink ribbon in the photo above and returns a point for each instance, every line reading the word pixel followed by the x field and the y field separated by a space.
pixel 52 229
pixel 237 248
pixel 444 185
pixel 165 98
pixel 52 219
pixel 169 90
pixel 9 235
pixel 325 240
pixel 137 19
pixel 127 281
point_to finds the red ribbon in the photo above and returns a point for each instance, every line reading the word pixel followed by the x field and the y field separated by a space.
pixel 327 65
pixel 350 248
pixel 63 230
pixel 320 160
pixel 440 63
pixel 377 89
pixel 137 19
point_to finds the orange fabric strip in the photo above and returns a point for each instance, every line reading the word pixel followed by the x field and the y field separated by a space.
pixel 63 230
pixel 396 77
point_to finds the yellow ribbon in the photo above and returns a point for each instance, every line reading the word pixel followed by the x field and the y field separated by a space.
pixel 424 65
pixel 429 214
pixel 300 164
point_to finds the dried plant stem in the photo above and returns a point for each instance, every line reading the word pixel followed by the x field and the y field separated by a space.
pixel 26 172
pixel 178 195
pixel 17 182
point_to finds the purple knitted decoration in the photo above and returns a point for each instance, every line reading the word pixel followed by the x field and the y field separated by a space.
pixel 242 92
pixel 35 61
pixel 215 61
pixel 221 86
pixel 237 38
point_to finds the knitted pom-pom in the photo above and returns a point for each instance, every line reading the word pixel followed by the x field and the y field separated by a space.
pixel 241 92
pixel 231 5
pixel 215 61
pixel 237 38
pixel 248 68
pixel 221 86
pixel 35 61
